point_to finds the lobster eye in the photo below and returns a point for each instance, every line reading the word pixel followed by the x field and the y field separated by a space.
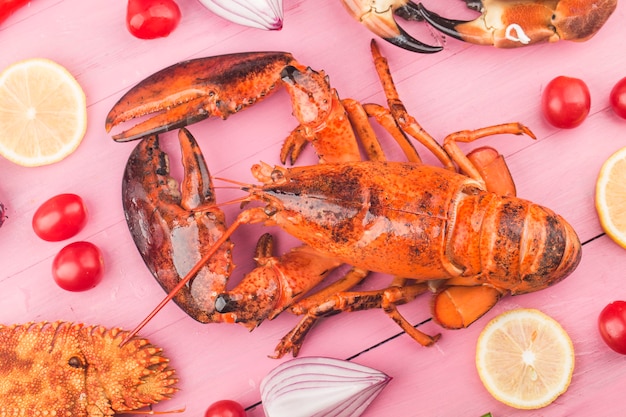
pixel 277 175
pixel 76 362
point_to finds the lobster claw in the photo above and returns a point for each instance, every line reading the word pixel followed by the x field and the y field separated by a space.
pixel 378 16
pixel 513 23
pixel 190 91
pixel 172 227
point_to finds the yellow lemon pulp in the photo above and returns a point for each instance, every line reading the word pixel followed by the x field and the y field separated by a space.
pixel 43 112
pixel 525 358
pixel 611 197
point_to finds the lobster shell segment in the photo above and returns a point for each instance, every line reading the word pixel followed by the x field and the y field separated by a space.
pixel 68 369
pixel 384 216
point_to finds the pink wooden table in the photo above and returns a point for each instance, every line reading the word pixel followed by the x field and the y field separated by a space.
pixel 463 87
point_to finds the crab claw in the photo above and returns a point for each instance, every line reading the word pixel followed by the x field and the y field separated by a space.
pixel 190 91
pixel 378 16
pixel 509 24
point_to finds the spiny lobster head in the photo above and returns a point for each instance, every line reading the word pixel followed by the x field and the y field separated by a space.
pixel 131 376
pixel 191 91
pixel 64 368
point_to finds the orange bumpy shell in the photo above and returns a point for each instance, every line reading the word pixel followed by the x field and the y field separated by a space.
pixel 68 369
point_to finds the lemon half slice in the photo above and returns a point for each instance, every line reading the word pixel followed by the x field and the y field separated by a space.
pixel 525 359
pixel 43 112
pixel 611 197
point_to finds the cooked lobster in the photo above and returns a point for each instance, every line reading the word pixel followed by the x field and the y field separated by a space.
pixel 457 230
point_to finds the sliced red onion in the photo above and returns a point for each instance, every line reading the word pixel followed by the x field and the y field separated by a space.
pixel 320 387
pixel 260 14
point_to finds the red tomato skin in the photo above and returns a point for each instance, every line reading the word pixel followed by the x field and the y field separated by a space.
pixel 8 7
pixel 566 102
pixel 225 408
pixel 59 218
pixel 612 326
pixel 617 98
pixel 79 266
pixel 150 19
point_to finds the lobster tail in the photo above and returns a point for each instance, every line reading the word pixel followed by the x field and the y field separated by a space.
pixel 511 244
pixel 551 250
pixel 501 245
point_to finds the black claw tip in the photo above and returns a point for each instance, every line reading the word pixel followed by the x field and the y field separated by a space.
pixel 443 25
pixel 405 41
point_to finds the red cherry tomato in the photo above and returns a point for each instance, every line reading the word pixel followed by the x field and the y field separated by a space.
pixel 78 266
pixel 60 218
pixel 8 7
pixel 612 326
pixel 618 98
pixel 149 19
pixel 566 102
pixel 225 408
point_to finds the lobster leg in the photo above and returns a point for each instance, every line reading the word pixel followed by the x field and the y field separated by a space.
pixel 386 120
pixel 495 178
pixel 400 114
pixel 484 164
pixel 334 300
pixel 509 24
pixel 274 284
pixel 307 307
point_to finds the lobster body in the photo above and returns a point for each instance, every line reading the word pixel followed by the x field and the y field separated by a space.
pixel 421 222
pixel 457 230
pixel 67 369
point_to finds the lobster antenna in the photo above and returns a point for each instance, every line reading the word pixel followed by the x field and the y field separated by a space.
pixel 206 207
pixel 237 183
pixel 192 273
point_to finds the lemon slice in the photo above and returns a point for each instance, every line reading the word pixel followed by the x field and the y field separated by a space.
pixel 525 359
pixel 611 197
pixel 43 112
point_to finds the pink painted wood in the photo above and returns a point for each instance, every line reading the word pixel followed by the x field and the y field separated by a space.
pixel 463 87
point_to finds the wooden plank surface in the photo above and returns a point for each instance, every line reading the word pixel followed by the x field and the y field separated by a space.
pixel 463 87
